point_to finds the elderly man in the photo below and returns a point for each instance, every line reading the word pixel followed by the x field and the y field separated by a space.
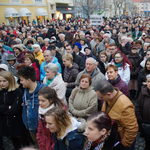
pixel 49 58
pixel 125 46
pixel 46 42
pixel 136 34
pixel 115 80
pixel 119 108
pixel 93 71
pixel 122 34
pixel 45 34
pixel 107 40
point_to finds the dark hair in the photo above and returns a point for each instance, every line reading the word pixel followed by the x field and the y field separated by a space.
pixel 145 68
pixel 125 60
pixel 30 42
pixel 138 42
pixel 50 94
pixel 103 121
pixel 104 87
pixel 147 51
pixel 69 45
pixel 27 72
pixel 86 76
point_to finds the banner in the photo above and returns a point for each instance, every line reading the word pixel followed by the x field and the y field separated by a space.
pixel 96 19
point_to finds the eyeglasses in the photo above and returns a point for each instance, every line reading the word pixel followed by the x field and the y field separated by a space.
pixel 117 57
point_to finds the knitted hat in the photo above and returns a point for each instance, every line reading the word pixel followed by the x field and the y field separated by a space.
pixel 18 47
pixel 11 57
pixel 4 67
pixel 87 48
pixel 78 44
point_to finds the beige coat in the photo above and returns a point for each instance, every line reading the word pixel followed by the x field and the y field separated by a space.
pixel 84 103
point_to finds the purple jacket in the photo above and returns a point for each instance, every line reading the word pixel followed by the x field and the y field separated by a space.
pixel 121 85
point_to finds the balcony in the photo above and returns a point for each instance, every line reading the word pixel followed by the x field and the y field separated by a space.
pixel 63 2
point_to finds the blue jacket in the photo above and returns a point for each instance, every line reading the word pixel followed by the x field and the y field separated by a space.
pixel 30 108
pixel 42 71
pixel 6 48
pixel 76 141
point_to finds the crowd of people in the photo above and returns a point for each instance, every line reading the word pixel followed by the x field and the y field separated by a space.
pixel 70 85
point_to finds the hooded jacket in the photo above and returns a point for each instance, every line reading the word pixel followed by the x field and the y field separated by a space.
pixel 83 103
pixel 70 75
pixel 121 85
pixel 96 77
pixel 20 57
pixel 59 86
pixel 30 108
pixel 91 55
pixel 75 139
pixel 42 71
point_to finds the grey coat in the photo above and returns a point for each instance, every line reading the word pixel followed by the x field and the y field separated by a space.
pixel 96 77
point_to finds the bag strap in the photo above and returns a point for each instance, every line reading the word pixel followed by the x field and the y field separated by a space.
pixel 75 93
pixel 114 103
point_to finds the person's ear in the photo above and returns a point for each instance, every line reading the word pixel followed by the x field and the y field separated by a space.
pixel 103 131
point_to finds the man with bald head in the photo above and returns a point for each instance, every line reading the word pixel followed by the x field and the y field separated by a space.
pixel 93 71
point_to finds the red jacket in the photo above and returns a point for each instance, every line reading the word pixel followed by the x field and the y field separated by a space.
pixel 44 48
pixel 44 137
pixel 37 71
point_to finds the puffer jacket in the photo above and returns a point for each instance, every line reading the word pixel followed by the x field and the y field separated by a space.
pixel 70 75
pixel 96 77
pixel 59 86
pixel 135 61
pixel 143 105
pixel 83 103
pixel 121 85
pixel 123 112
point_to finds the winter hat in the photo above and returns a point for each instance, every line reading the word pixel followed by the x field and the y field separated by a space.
pixel 11 57
pixel 87 48
pixel 78 44
pixel 18 47
pixel 4 67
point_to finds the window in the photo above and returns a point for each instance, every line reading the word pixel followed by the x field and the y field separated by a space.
pixel 15 1
pixel 38 1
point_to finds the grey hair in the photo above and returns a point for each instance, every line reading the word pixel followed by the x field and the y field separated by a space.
pixel 148 76
pixel 107 35
pixel 146 44
pixel 52 67
pixel 18 41
pixel 46 39
pixel 94 61
pixel 82 33
pixel 45 29
pixel 61 34
pixel 48 52
pixel 124 37
pixel 129 38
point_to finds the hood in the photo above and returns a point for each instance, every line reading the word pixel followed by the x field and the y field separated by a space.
pixel 145 91
pixel 136 55
pixel 74 125
pixel 56 80
pixel 54 60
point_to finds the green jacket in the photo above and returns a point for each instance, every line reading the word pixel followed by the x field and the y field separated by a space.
pixel 134 35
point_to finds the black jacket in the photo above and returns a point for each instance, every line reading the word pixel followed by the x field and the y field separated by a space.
pixel 135 61
pixel 11 123
pixel 79 61
pixel 126 49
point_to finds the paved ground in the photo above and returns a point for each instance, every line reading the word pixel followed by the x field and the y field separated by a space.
pixel 140 143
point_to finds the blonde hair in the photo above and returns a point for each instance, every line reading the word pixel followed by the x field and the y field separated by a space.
pixel 68 57
pixel 10 78
pixel 41 40
pixel 62 119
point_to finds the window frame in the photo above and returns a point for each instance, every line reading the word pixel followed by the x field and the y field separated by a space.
pixel 11 1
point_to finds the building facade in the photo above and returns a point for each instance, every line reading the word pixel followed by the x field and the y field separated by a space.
pixel 16 11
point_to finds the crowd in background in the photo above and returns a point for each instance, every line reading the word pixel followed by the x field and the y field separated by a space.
pixel 69 85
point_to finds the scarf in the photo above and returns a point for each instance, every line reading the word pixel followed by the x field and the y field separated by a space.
pixel 50 81
pixel 118 65
pixel 30 48
pixel 99 143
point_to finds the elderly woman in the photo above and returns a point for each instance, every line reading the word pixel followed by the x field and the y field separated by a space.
pixel 38 53
pixel 46 42
pixel 142 112
pixel 83 100
pixel 54 80
pixel 40 41
pixel 77 48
